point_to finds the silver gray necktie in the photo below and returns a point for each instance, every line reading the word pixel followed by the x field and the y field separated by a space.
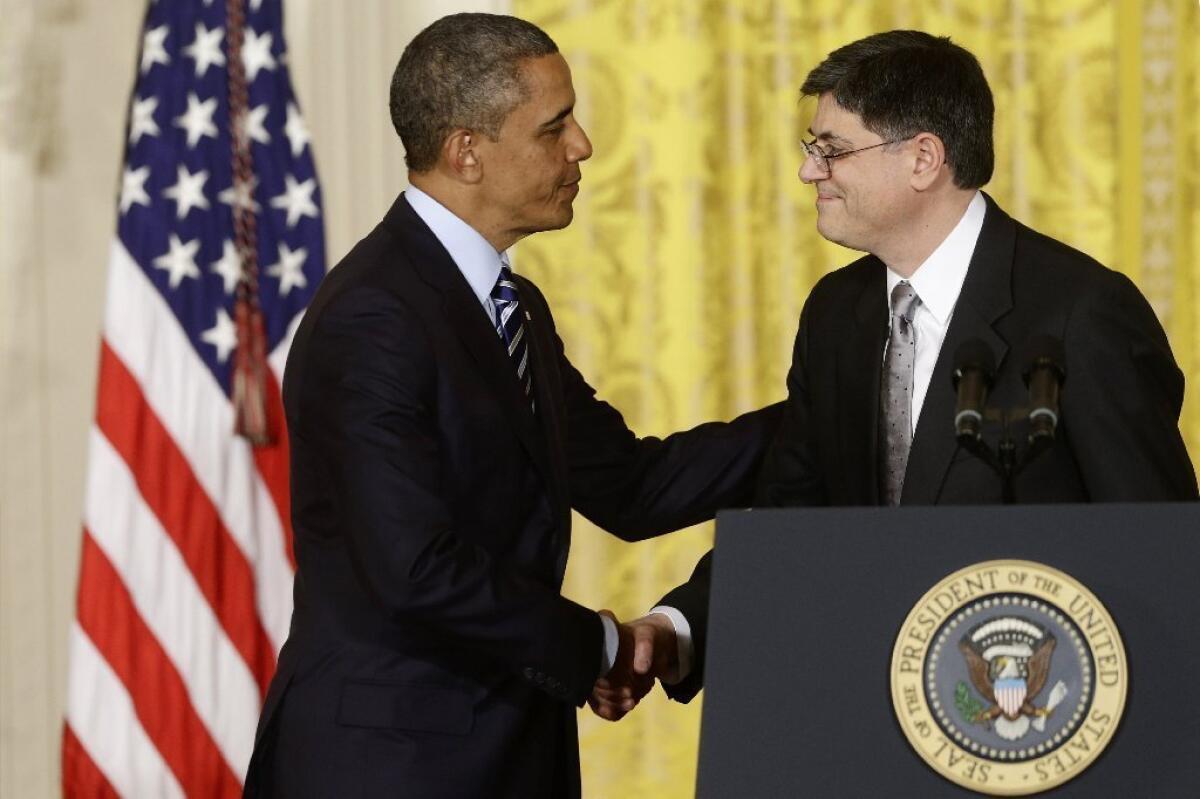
pixel 895 394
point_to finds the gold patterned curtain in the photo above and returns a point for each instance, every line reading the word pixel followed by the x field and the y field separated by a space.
pixel 678 288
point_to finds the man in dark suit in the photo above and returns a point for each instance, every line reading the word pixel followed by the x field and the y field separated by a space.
pixel 439 439
pixel 903 141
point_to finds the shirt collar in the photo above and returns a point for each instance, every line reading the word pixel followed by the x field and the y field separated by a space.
pixel 939 280
pixel 472 254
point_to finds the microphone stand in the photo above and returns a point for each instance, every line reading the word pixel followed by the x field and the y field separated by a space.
pixel 1003 460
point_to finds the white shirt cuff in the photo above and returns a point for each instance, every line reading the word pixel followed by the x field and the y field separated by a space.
pixel 683 641
pixel 611 644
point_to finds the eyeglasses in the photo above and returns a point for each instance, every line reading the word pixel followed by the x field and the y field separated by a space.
pixel 822 158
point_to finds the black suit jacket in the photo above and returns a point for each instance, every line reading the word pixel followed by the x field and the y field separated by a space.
pixel 1118 440
pixel 430 651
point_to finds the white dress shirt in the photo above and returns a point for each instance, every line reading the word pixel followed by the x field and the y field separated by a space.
pixel 479 264
pixel 938 281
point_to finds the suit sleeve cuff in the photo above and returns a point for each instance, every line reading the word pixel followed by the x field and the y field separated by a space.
pixel 683 641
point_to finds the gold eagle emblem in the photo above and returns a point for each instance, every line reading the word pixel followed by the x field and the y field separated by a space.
pixel 1008 660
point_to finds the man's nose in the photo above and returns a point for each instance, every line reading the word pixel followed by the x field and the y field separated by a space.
pixel 809 171
pixel 580 148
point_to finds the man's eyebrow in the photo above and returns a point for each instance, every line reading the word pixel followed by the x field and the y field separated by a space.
pixel 830 137
pixel 559 117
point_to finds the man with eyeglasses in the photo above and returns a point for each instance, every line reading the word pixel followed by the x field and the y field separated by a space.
pixel 902 144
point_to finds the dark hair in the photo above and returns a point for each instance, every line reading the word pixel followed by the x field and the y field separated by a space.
pixel 905 82
pixel 463 71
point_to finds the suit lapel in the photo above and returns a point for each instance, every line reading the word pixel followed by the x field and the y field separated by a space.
pixel 986 297
pixel 469 322
pixel 860 358
pixel 547 390
pixel 546 387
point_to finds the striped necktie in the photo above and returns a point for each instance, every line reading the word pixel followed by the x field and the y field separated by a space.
pixel 510 326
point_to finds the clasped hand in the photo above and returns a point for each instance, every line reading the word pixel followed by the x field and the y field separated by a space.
pixel 647 650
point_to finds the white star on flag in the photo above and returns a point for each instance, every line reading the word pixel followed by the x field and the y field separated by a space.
pixel 289 269
pixel 188 191
pixel 297 199
pixel 256 53
pixel 153 51
pixel 229 267
pixel 296 130
pixel 180 261
pixel 133 188
pixel 222 335
pixel 241 195
pixel 141 119
pixel 198 119
pixel 254 126
pixel 206 49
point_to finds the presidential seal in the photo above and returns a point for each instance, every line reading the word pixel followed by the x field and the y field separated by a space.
pixel 1009 677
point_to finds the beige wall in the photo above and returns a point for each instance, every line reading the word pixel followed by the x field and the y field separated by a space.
pixel 66 70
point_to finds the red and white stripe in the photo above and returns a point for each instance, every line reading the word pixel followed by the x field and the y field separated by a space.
pixel 1010 697
pixel 186 573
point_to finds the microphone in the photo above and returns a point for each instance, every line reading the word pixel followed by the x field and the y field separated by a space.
pixel 1044 374
pixel 974 371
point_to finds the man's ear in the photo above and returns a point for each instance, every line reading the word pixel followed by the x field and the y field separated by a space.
pixel 460 153
pixel 929 163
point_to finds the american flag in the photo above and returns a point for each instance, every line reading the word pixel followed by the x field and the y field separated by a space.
pixel 186 572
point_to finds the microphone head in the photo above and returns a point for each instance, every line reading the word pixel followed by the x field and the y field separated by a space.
pixel 974 354
pixel 1043 350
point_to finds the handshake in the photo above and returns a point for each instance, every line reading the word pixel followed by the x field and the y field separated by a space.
pixel 647 650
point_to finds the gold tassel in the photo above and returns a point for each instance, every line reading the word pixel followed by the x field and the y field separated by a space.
pixel 249 375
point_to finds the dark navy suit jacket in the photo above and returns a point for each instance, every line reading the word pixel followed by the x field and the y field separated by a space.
pixel 431 653
pixel 1118 440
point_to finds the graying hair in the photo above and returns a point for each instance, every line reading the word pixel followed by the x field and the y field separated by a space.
pixel 463 71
